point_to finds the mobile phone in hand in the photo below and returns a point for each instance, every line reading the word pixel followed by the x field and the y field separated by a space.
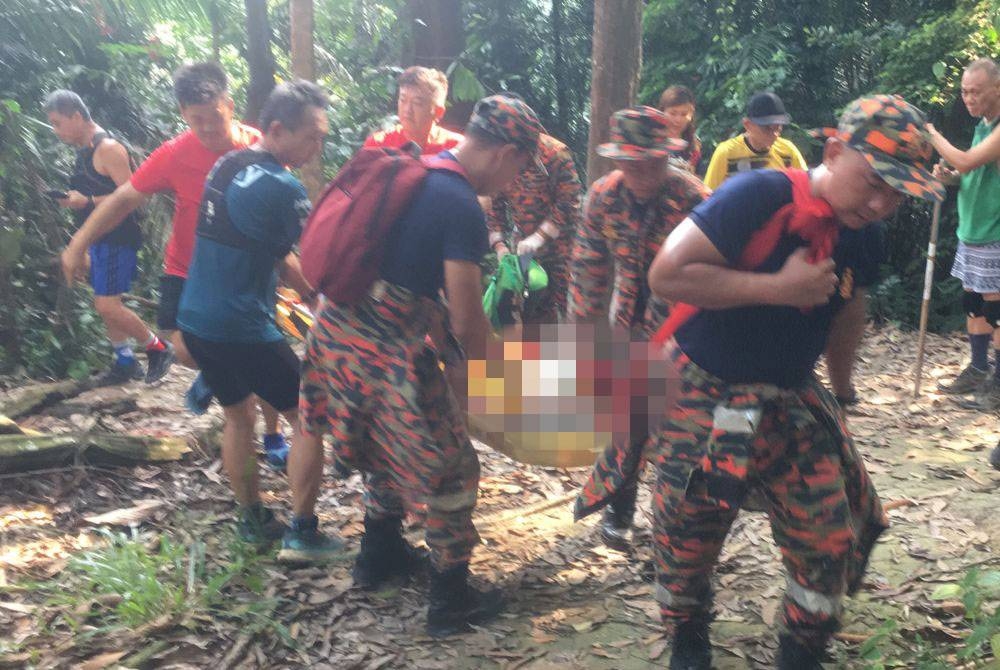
pixel 56 194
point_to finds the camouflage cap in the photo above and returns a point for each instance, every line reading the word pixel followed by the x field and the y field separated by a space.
pixel 511 120
pixel 638 133
pixel 892 136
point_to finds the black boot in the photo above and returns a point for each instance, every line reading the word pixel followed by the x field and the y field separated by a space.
pixel 385 554
pixel 691 649
pixel 454 604
pixel 616 523
pixel 796 655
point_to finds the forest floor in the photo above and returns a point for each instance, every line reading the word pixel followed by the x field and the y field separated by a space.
pixel 139 567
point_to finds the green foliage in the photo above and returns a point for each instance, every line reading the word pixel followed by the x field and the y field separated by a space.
pixel 118 55
pixel 818 56
pixel 897 298
pixel 133 580
pixel 978 593
pixel 541 51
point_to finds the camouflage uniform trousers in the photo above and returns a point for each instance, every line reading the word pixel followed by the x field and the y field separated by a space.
pixel 370 381
pixel 616 473
pixel 720 440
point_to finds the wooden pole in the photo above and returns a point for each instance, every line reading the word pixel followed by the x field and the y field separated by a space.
pixel 925 306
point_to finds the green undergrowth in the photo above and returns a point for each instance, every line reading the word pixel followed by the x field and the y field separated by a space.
pixel 135 582
pixel 976 597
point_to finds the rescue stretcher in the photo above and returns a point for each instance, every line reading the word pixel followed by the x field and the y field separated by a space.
pixel 555 397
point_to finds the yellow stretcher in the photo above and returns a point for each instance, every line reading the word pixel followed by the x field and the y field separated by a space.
pixel 291 314
pixel 555 404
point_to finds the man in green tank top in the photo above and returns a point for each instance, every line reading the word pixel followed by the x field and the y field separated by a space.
pixel 977 260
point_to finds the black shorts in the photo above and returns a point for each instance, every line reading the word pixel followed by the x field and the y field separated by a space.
pixel 171 287
pixel 235 370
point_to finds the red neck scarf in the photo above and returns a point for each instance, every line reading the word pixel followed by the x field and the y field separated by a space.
pixel 806 216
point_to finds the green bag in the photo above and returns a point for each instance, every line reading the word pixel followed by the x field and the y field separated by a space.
pixel 515 278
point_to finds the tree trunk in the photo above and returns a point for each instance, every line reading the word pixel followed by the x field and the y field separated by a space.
pixel 215 18
pixel 304 67
pixel 259 58
pixel 556 19
pixel 617 57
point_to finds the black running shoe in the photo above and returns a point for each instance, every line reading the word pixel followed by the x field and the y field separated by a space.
pixel 159 363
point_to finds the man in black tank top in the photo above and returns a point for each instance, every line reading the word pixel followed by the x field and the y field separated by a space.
pixel 101 165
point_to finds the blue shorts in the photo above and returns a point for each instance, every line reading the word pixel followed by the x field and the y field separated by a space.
pixel 112 268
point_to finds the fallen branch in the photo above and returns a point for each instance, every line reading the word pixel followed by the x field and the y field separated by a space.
pixel 36 397
pixel 504 517
pixel 22 453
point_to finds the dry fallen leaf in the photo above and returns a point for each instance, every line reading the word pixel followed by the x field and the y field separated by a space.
pixel 100 661
pixel 127 516
pixel 657 648
pixel 20 608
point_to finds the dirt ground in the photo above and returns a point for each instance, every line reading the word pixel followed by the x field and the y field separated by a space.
pixel 573 603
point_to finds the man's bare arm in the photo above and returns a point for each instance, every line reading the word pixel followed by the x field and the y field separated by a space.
pixel 987 151
pixel 291 273
pixel 463 285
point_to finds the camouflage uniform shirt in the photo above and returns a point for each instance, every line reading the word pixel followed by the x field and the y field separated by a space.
pixel 617 241
pixel 533 198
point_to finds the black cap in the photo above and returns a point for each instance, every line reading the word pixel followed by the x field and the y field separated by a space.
pixel 766 109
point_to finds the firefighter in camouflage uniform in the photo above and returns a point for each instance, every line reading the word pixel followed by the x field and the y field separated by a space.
pixel 538 215
pixel 759 270
pixel 628 214
pixel 371 382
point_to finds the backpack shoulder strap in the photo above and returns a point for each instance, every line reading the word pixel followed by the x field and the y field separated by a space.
pixel 445 164
pixel 213 217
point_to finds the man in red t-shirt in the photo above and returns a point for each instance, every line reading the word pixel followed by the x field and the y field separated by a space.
pixel 180 166
pixel 420 105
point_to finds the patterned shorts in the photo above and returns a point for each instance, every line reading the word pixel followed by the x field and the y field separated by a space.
pixel 977 266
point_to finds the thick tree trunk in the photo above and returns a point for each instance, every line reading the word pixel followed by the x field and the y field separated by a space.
pixel 617 58
pixel 259 58
pixel 304 67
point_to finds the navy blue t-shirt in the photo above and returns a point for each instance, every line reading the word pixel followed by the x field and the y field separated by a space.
pixel 764 344
pixel 444 222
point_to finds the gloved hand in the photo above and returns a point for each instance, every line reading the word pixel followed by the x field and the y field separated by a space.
pixel 498 246
pixel 531 244
pixel 534 242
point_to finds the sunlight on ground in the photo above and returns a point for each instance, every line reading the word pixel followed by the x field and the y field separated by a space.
pixel 11 518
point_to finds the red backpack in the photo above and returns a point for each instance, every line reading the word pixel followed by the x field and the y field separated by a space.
pixel 343 244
